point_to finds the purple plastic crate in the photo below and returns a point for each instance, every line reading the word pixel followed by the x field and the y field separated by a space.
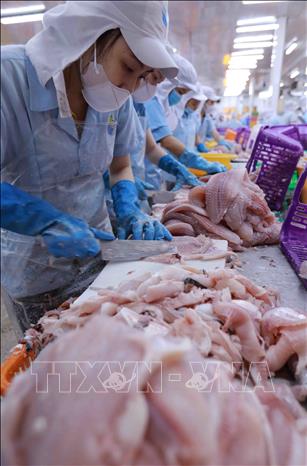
pixel 288 130
pixel 293 237
pixel 302 129
pixel 244 137
pixel 238 135
pixel 221 131
pixel 275 155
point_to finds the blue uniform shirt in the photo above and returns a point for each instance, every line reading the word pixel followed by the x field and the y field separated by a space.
pixel 206 127
pixel 43 154
pixel 156 119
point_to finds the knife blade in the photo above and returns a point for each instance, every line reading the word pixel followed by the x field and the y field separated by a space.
pixel 132 250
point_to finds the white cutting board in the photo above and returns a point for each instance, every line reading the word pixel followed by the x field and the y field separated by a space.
pixel 116 272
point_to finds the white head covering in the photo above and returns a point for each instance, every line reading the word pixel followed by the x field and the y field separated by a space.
pixel 209 92
pixel 186 77
pixel 193 94
pixel 71 28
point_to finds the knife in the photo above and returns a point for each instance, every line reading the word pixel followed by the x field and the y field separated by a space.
pixel 133 250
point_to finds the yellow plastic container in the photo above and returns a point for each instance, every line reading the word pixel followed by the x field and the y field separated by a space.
pixel 225 159
pixel 211 144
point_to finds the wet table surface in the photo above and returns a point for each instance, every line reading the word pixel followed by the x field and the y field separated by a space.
pixel 267 266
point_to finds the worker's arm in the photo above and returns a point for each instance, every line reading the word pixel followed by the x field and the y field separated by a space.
pixel 131 221
pixel 216 135
pixel 173 145
pixel 220 140
pixel 120 169
pixel 168 163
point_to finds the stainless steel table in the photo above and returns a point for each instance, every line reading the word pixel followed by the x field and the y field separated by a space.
pixel 267 265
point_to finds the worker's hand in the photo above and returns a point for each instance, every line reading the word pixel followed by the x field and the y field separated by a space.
pixel 169 164
pixel 192 160
pixel 226 144
pixel 63 234
pixel 202 148
pixel 215 167
pixel 141 187
pixel 138 225
pixel 131 221
pixel 71 237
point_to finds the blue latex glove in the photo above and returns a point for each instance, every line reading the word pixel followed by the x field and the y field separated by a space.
pixel 225 143
pixel 131 221
pixel 202 148
pixel 169 164
pixel 141 187
pixel 192 160
pixel 63 234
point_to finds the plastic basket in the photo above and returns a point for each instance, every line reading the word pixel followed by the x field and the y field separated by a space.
pixel 302 129
pixel 293 237
pixel 297 132
pixel 276 156
pixel 230 134
pixel 221 130
pixel 288 130
pixel 242 137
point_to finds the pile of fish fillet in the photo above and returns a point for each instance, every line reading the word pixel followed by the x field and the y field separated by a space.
pixel 210 388
pixel 230 206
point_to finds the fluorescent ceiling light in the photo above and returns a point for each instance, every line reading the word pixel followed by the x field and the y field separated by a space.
pixel 247 52
pixel 240 75
pixel 291 48
pixel 294 73
pixel 251 2
pixel 22 10
pixel 295 39
pixel 266 94
pixel 281 84
pixel 22 18
pixel 250 59
pixel 243 60
pixel 257 28
pixel 263 37
pixel 232 93
pixel 238 66
pixel 248 45
pixel 246 57
pixel 262 19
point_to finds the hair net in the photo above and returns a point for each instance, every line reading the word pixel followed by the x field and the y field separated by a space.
pixel 71 28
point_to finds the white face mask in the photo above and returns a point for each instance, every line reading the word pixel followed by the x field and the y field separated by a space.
pixel 98 91
pixel 145 92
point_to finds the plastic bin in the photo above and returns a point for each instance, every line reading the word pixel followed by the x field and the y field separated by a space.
pixel 225 159
pixel 242 137
pixel 230 134
pixel 222 131
pixel 288 130
pixel 276 156
pixel 302 129
pixel 293 237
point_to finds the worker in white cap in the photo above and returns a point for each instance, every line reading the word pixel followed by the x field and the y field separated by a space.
pixel 66 117
pixel 207 128
pixel 189 117
pixel 163 120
